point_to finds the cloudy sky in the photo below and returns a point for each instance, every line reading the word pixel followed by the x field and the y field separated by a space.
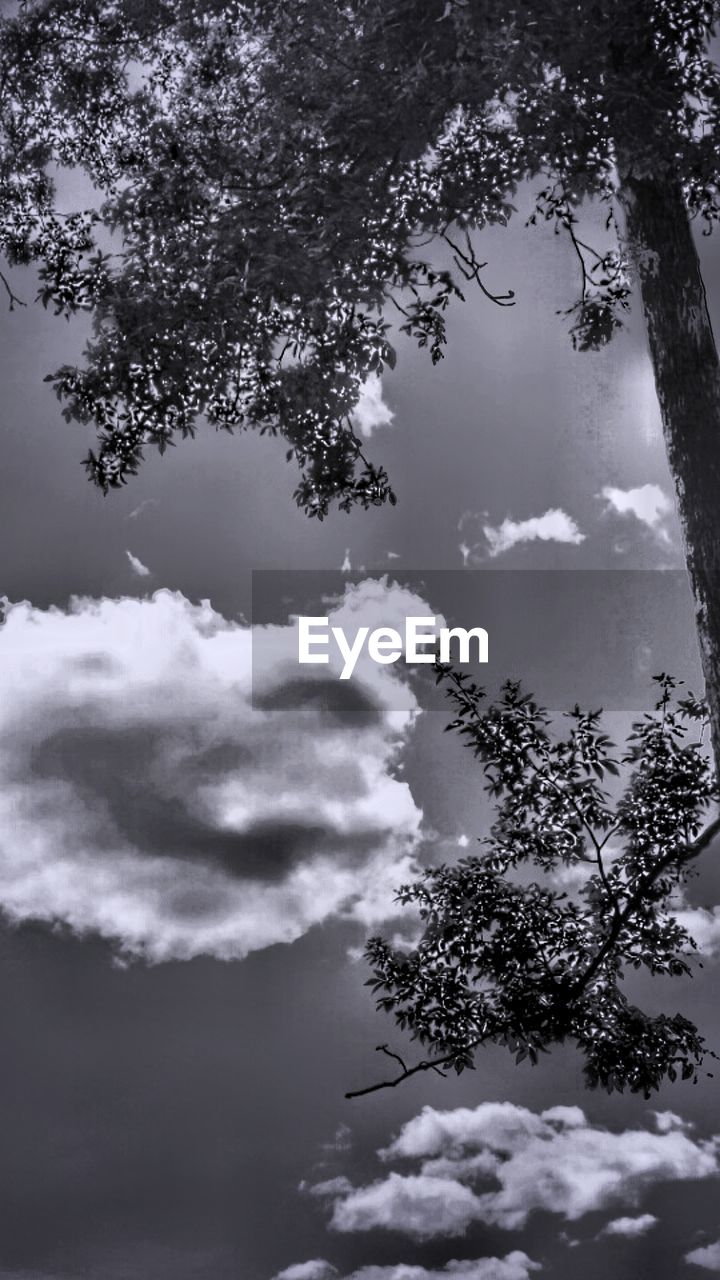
pixel 193 851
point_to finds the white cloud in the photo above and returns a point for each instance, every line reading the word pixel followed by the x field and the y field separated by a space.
pixel 554 526
pixel 708 1256
pixel 667 1120
pixel 339 1186
pixel 514 1266
pixel 647 503
pixel 144 797
pixel 371 411
pixel 499 1163
pixel 137 566
pixel 630 1227
pixel 315 1269
pixel 703 926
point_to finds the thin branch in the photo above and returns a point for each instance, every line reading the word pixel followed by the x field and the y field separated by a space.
pixel 576 246
pixel 14 300
pixel 468 265
pixel 606 883
pixel 382 1048
pixel 398 307
pixel 407 1072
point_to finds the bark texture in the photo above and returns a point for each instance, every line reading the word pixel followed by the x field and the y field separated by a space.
pixel 687 376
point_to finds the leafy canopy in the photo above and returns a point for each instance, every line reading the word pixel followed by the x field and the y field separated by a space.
pixel 527 944
pixel 266 183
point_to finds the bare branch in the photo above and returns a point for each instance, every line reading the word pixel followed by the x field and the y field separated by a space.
pixel 14 300
pixel 407 1072
pixel 469 267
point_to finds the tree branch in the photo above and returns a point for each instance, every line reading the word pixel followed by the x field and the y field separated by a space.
pixel 14 300
pixel 407 1072
pixel 470 268
pixel 621 918
pixel 662 864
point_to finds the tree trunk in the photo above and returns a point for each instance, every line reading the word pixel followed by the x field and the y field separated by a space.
pixel 687 376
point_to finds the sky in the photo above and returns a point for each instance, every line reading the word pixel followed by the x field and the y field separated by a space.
pixel 193 851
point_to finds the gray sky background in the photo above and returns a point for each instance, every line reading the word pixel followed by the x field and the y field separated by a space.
pixel 157 1120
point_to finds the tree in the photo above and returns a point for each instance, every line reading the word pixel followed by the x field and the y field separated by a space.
pixel 266 178
pixel 513 952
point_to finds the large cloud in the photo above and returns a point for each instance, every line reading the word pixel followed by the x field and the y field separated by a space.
pixel 500 1162
pixel 145 797
pixel 514 1266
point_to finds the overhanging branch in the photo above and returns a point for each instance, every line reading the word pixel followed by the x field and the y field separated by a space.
pixel 407 1072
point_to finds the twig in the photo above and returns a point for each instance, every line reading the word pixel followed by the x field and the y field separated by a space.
pixel 468 265
pixel 14 300
pixel 408 1071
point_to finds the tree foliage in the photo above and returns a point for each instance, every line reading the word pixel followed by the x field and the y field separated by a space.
pixel 527 943
pixel 266 177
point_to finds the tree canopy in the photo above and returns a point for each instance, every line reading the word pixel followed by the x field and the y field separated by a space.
pixel 526 944
pixel 266 177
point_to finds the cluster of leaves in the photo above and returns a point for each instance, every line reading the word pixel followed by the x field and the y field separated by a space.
pixel 526 944
pixel 263 182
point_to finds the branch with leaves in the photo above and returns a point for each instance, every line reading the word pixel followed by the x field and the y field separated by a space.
pixel 526 944
pixel 604 275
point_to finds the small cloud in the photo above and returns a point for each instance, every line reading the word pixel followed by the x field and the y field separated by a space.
pixel 393 555
pixel 341 1141
pixel 703 927
pixel 644 661
pixel 315 1269
pixel 371 411
pixel 339 1186
pixel 630 1227
pixel 554 526
pixel 666 1121
pixel 137 511
pixel 708 1256
pixel 648 503
pixel 137 566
